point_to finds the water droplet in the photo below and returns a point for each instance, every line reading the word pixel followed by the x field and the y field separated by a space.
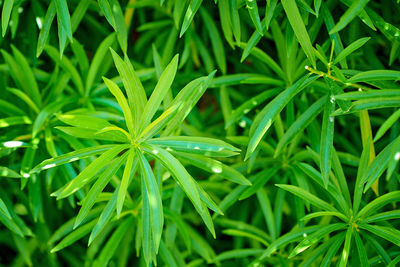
pixel 73 159
pixel 331 119
pixel 13 143
pixel 332 99
pixel 216 169
pixel 196 147
pixel 155 151
pixel 26 175
pixel 39 22
pixel 48 166
pixel 242 123
pixel 397 156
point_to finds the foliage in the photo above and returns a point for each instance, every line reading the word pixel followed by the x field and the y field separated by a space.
pixel 193 133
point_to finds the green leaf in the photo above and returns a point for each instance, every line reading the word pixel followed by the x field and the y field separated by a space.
pixel 179 8
pixel 350 49
pixel 5 15
pixel 113 242
pixel 266 117
pixel 261 179
pixel 74 236
pixel 15 120
pixel 47 111
pixel 146 237
pixel 104 134
pixel 189 15
pixel 388 233
pixel 235 19
pixel 266 209
pixel 285 239
pixel 354 10
pixel 184 179
pixel 359 185
pixel 328 259
pixel 216 42
pixel 367 95
pixel 238 253
pixel 316 236
pixel 241 233
pixel 67 66
pixel 105 216
pixel 386 125
pixel 133 87
pixel 346 247
pixel 246 228
pixel 299 29
pixel 10 109
pixel 23 249
pixel 71 157
pixel 303 194
pixel 97 61
pixel 165 254
pixel 255 17
pixel 324 213
pixel 209 147
pixel 22 74
pixel 4 210
pixel 24 97
pixel 332 191
pixel 378 203
pixel 394 262
pixel 79 13
pixel 84 121
pixel 126 177
pixel 62 36
pixel 327 133
pixel 382 254
pixel 375 75
pixel 158 124
pixel 300 124
pixel 379 164
pixel 117 21
pixel 108 12
pixel 244 78
pixel 63 14
pixel 6 172
pixel 155 202
pixel 214 166
pixel 263 57
pixel 97 188
pixel 114 89
pixel 84 177
pixel 383 216
pixel 67 227
pixel 362 253
pixel 369 104
pixel 250 104
pixel 161 89
pixel 224 14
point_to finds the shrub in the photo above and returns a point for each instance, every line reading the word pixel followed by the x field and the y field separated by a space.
pixel 192 133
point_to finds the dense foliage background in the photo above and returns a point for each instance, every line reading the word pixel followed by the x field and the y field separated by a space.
pixel 194 133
